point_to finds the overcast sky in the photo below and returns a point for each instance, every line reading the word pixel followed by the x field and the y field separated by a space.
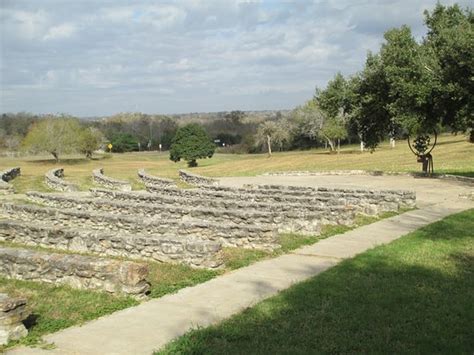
pixel 102 57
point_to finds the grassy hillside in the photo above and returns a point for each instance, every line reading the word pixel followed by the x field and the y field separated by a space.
pixel 453 155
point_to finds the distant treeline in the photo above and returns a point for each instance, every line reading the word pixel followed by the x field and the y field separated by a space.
pixel 233 131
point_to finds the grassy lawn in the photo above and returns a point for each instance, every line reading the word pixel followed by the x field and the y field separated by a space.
pixel 453 155
pixel 414 295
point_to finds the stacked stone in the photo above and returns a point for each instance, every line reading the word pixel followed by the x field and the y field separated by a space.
pixel 155 180
pixel 54 179
pixel 188 251
pixel 12 312
pixel 247 236
pixel 78 271
pixel 306 221
pixel 99 178
pixel 197 180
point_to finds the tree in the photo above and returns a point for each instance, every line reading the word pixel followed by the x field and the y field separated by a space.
pixel 90 139
pixel 450 38
pixel 124 142
pixel 270 132
pixel 370 111
pixel 418 86
pixel 313 122
pixel 55 135
pixel 190 143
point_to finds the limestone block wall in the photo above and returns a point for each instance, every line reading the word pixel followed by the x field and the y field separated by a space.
pixel 155 180
pixel 188 251
pixel 306 222
pixel 383 198
pixel 197 180
pixel 12 312
pixel 78 271
pixel 190 198
pixel 254 237
pixel 364 200
pixel 99 178
pixel 54 179
pixel 371 205
pixel 6 176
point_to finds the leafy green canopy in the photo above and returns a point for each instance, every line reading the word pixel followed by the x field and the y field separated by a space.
pixel 190 143
pixel 418 86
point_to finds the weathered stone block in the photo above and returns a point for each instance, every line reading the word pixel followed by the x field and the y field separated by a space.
pixel 12 312
pixel 78 271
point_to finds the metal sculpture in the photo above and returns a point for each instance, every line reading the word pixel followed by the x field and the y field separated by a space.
pixel 422 148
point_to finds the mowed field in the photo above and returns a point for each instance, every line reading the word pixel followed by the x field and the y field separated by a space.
pixel 452 155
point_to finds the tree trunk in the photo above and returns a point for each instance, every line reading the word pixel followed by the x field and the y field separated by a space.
pixel 331 145
pixel 55 155
pixel 338 146
pixel 192 163
pixel 471 136
pixel 362 146
pixel 392 143
pixel 269 144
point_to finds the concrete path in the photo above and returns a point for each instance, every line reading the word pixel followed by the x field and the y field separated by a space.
pixel 149 326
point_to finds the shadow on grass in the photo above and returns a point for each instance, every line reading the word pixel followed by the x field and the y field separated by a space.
pixel 413 296
pixel 362 307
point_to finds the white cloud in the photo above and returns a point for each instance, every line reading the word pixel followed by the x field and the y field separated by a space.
pixel 193 55
pixel 64 30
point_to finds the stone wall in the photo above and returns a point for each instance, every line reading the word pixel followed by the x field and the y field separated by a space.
pixel 254 237
pixel 99 178
pixel 188 251
pixel 78 271
pixel 197 180
pixel 367 203
pixel 54 179
pixel 12 312
pixel 305 222
pixel 404 198
pixel 6 176
pixel 364 200
pixel 155 180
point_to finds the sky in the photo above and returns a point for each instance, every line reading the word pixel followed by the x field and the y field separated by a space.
pixel 96 58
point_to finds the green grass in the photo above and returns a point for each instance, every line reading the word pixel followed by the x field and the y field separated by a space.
pixel 57 307
pixel 453 155
pixel 411 296
pixel 235 258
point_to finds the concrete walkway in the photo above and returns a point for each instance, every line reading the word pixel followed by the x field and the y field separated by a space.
pixel 149 326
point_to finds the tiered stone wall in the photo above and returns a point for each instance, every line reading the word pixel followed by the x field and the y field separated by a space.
pixel 12 312
pixel 54 179
pixel 6 176
pixel 197 180
pixel 189 251
pixel 385 199
pixel 99 178
pixel 364 200
pixel 307 222
pixel 367 201
pixel 78 271
pixel 255 237
pixel 155 180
